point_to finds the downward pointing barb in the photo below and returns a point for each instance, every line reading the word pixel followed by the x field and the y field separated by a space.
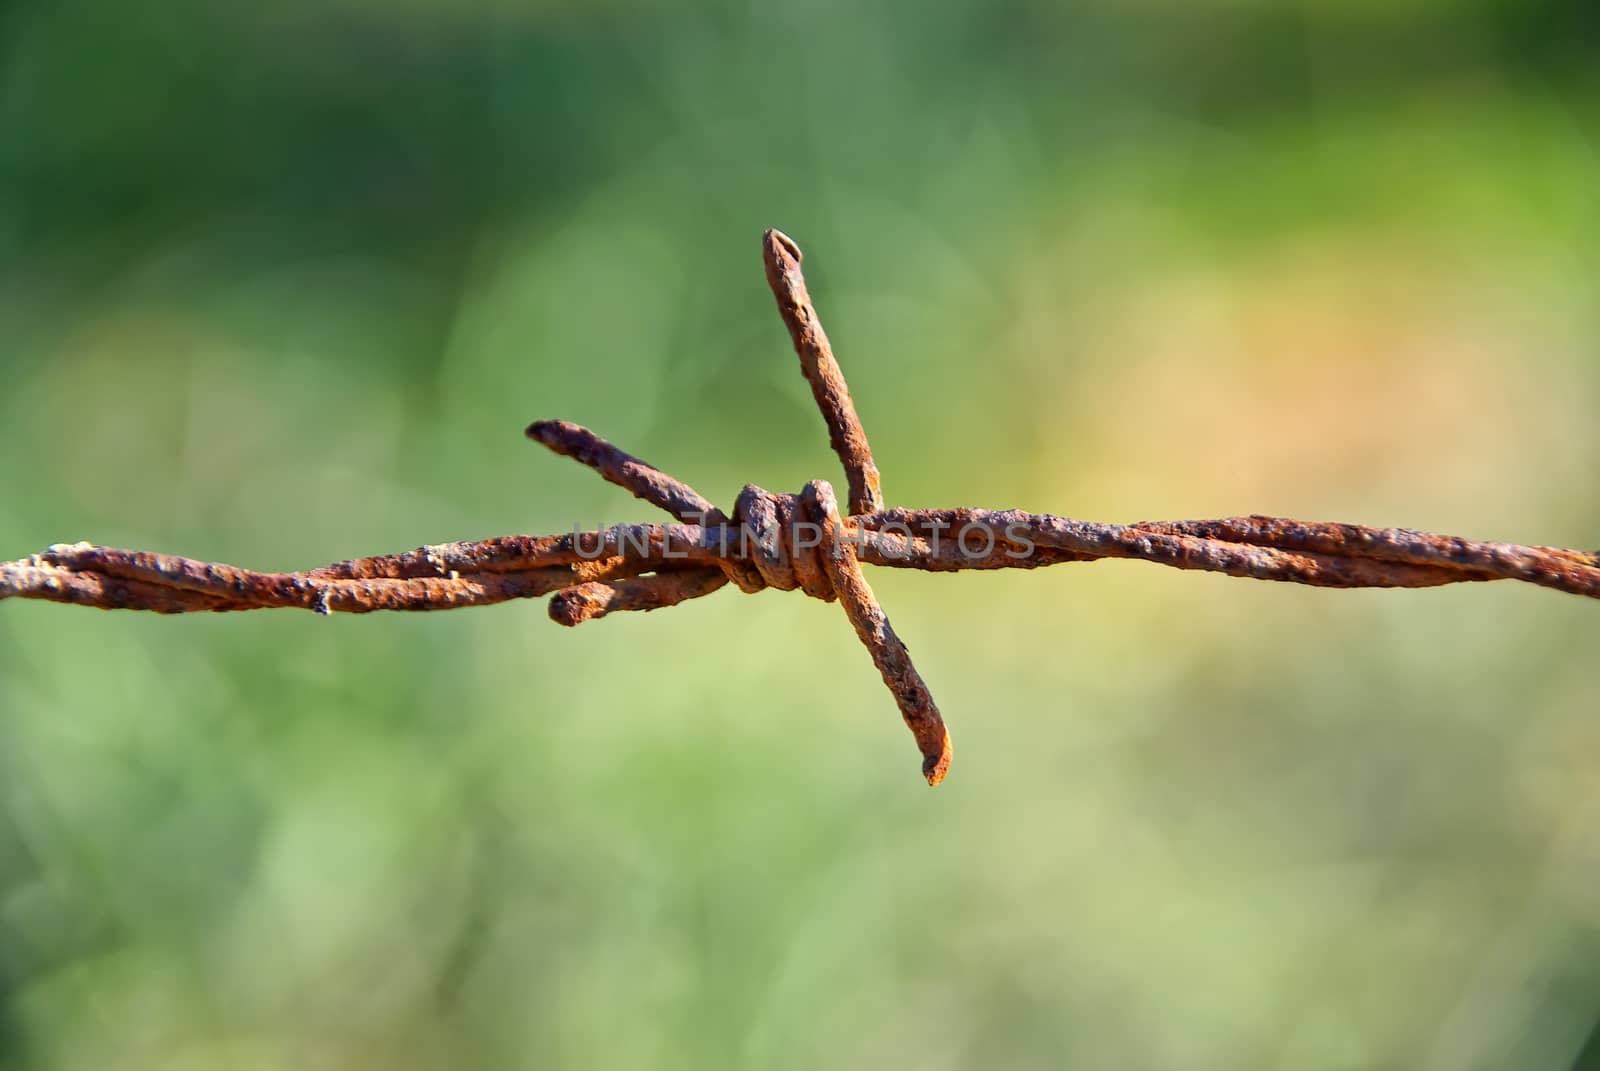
pixel 646 567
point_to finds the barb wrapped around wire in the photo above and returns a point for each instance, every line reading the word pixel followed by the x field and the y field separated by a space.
pixel 787 542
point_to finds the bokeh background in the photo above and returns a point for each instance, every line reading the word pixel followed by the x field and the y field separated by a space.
pixel 282 283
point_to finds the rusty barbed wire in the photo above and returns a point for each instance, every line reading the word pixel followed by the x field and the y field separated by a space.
pixel 785 542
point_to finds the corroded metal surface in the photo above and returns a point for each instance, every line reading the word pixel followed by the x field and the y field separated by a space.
pixel 845 433
pixel 785 542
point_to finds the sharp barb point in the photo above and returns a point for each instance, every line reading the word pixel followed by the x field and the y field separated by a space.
pixel 648 567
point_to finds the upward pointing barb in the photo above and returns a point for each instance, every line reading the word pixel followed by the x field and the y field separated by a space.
pixel 845 433
pixel 647 567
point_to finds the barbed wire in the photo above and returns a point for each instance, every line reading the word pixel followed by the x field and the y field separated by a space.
pixel 785 542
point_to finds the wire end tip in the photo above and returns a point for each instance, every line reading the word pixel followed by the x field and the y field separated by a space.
pixel 778 244
pixel 934 767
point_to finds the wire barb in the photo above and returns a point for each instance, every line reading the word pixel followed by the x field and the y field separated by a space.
pixel 845 433
pixel 786 542
pixel 873 629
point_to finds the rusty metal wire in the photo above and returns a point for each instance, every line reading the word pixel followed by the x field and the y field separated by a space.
pixel 786 542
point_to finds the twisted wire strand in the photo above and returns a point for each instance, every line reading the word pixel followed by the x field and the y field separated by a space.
pixel 785 542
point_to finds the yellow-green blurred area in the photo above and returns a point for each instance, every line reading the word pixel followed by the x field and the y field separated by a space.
pixel 282 283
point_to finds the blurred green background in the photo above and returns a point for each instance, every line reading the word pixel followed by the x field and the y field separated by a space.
pixel 282 283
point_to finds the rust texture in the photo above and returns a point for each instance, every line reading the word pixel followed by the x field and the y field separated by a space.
pixel 784 542
pixel 845 433
pixel 872 627
pixel 640 478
